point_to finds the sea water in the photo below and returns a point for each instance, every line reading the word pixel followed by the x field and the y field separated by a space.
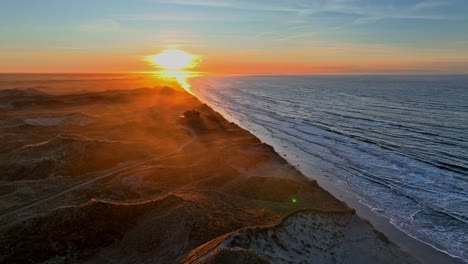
pixel 397 143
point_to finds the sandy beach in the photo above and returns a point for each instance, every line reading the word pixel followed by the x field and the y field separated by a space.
pixel 153 175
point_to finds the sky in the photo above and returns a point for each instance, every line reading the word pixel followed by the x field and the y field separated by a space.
pixel 236 36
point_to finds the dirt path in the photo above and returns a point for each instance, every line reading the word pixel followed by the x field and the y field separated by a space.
pixel 97 178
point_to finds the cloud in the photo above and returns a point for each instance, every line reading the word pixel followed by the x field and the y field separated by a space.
pixel 100 25
pixel 371 11
pixel 180 17
pixel 273 6
pixel 303 8
pixel 429 5
pixel 196 3
pixel 298 36
pixel 366 20
pixel 299 12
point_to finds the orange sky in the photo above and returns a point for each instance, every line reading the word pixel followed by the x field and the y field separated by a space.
pixel 263 37
pixel 70 62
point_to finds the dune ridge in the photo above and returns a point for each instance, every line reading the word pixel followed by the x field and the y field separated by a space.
pixel 300 237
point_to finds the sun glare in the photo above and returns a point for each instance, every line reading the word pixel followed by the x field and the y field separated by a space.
pixel 175 64
pixel 174 59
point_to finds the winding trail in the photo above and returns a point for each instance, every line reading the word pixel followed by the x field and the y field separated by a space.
pixel 97 178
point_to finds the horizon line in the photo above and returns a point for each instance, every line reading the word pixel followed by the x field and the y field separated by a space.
pixel 221 73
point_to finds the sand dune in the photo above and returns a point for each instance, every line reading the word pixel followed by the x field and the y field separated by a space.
pixel 302 237
pixel 66 155
pixel 79 229
pixel 21 92
pixel 72 119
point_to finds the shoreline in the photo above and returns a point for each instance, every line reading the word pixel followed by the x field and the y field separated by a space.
pixel 424 251
pixel 204 201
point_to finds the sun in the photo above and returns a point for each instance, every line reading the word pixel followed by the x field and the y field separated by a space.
pixel 174 59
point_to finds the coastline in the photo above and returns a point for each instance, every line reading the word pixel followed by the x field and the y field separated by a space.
pixel 424 251
pixel 210 253
pixel 211 199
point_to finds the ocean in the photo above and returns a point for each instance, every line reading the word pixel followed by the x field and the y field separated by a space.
pixel 398 144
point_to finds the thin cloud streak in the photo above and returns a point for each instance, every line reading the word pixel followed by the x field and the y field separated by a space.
pixel 232 5
pixel 298 36
pixel 100 25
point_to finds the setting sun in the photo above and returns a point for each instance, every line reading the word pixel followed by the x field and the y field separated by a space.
pixel 174 59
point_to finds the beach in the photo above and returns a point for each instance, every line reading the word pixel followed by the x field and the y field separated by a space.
pixel 154 175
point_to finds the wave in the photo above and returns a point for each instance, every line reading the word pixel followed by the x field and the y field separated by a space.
pixel 402 151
